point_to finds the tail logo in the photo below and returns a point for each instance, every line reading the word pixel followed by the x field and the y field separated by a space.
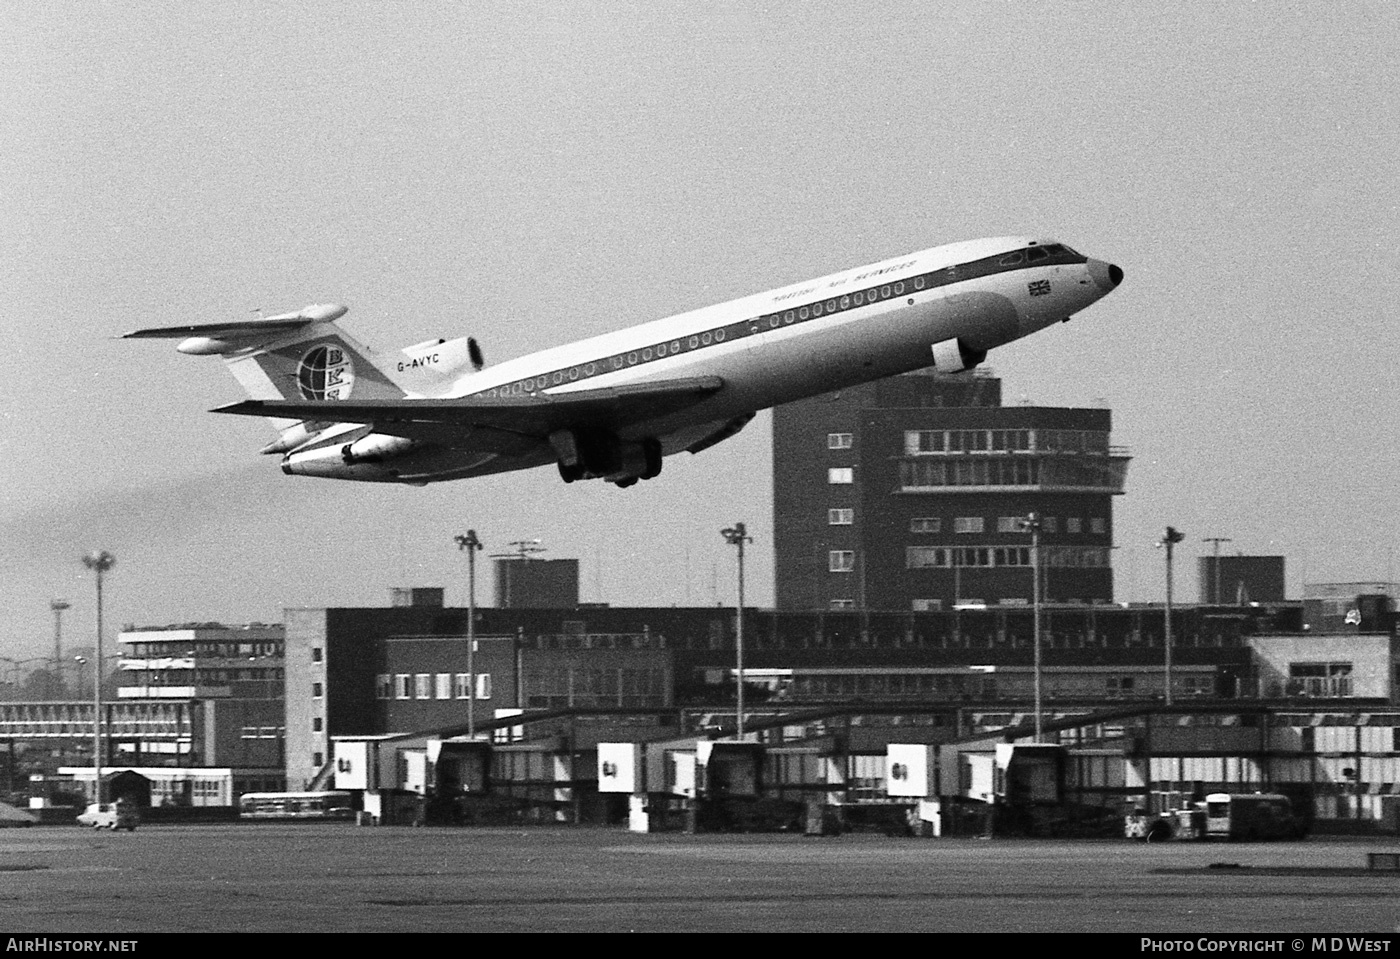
pixel 325 373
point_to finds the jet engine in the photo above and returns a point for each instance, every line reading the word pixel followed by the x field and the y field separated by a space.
pixel 375 448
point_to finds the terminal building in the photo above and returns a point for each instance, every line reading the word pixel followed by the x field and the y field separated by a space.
pixel 909 493
pixel 198 715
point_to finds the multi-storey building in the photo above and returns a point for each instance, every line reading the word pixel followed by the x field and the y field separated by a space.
pixel 910 493
pixel 198 713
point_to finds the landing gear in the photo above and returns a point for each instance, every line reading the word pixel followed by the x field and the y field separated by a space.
pixel 593 454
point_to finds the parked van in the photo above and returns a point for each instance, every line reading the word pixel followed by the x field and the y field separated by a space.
pixel 110 815
pixel 1246 816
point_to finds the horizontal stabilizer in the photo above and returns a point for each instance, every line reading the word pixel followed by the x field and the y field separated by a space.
pixel 244 330
pixel 531 415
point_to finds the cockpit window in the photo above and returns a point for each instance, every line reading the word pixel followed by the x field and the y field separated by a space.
pixel 1055 248
pixel 1037 253
pixel 1011 259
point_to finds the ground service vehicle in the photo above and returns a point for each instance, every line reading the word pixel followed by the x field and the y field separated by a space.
pixel 110 815
pixel 295 805
pixel 1251 816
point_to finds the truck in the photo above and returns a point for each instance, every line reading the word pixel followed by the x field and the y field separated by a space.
pixel 1250 816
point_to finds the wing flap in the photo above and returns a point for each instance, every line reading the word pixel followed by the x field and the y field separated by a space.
pixel 535 415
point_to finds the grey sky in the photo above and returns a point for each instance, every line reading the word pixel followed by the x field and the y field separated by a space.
pixel 531 173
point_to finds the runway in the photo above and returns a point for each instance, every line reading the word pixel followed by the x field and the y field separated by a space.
pixel 343 878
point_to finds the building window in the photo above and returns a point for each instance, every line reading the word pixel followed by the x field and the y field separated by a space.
pixel 444 685
pixel 383 686
pixel 1098 525
pixel 925 524
pixel 318 759
pixel 1049 524
pixel 840 475
pixel 1327 680
pixel 316 723
pixel 404 682
pixel 839 441
pixel 1009 524
pixel 316 691
pixel 462 687
pixel 1073 524
pixel 840 517
pixel 843 604
pixel 927 605
pixel 422 685
pixel 968 524
pixel 483 685
pixel 315 654
pixel 927 557
pixel 841 561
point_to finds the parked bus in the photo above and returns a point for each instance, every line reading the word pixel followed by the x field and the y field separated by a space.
pixel 302 805
pixel 1252 816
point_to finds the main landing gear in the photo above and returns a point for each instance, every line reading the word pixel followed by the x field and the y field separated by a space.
pixel 595 454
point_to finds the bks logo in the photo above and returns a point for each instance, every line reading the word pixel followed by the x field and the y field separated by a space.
pixel 325 373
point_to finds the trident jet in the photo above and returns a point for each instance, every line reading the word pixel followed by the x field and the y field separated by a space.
pixel 612 407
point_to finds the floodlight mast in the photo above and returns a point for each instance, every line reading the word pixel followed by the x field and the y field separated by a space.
pixel 471 544
pixel 738 535
pixel 1032 524
pixel 58 606
pixel 99 561
pixel 1168 540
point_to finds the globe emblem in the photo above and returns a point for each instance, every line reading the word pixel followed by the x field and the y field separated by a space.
pixel 325 373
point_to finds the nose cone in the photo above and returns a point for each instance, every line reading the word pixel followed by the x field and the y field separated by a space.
pixel 1106 276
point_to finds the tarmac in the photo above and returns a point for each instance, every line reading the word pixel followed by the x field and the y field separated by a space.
pixel 328 878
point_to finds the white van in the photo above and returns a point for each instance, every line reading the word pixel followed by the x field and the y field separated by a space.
pixel 110 815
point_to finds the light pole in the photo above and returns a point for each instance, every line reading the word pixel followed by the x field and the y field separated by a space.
pixel 1217 540
pixel 1170 539
pixel 1032 524
pixel 471 544
pixel 738 535
pixel 99 561
pixel 58 606
pixel 79 662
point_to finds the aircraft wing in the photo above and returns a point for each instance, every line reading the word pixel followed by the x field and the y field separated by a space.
pixel 534 416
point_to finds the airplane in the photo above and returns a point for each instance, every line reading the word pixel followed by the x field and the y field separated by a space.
pixel 612 407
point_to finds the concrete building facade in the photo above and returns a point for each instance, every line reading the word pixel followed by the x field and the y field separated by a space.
pixel 908 493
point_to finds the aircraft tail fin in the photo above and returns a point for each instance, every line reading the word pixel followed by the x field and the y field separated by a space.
pixel 292 356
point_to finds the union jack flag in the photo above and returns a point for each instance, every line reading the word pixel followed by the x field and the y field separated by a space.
pixel 1039 288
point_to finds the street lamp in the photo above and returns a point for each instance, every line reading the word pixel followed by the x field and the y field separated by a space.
pixel 58 606
pixel 1032 524
pixel 99 561
pixel 471 544
pixel 1170 539
pixel 738 535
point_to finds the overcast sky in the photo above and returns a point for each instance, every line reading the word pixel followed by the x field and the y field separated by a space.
pixel 532 173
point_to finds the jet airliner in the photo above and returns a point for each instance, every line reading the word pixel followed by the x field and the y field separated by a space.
pixel 614 406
